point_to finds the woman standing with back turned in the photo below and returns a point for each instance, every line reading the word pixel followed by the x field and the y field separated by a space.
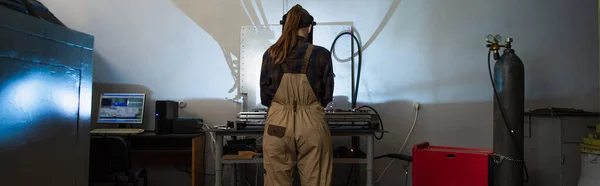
pixel 296 83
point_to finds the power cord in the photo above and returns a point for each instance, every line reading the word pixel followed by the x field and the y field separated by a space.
pixel 246 181
pixel 212 144
pixel 512 135
pixel 412 128
pixel 379 117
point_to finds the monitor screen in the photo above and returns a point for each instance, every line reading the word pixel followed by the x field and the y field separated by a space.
pixel 121 108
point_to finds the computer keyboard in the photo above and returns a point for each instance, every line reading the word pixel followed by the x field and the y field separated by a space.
pixel 117 131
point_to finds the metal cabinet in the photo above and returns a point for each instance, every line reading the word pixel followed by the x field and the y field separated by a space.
pixel 45 102
pixel 551 148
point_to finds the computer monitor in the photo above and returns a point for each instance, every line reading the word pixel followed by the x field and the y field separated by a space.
pixel 121 108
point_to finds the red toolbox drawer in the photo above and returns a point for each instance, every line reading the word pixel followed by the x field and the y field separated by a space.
pixel 451 166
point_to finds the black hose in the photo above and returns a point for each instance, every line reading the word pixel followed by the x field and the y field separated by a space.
pixel 512 136
pixel 349 175
pixel 378 116
pixel 355 93
pixel 352 70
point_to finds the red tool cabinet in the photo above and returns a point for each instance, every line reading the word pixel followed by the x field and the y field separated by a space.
pixel 451 166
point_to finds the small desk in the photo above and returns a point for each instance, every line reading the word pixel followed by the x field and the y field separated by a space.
pixel 220 134
pixel 149 148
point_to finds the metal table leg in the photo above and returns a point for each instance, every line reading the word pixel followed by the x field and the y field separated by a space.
pixel 234 175
pixel 370 151
pixel 219 158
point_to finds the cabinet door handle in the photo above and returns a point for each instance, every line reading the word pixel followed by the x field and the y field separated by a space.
pixel 562 159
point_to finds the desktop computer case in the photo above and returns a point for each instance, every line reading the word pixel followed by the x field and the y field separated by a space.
pixel 46 96
pixel 166 114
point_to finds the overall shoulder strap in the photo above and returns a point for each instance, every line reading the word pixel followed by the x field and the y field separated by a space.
pixel 307 58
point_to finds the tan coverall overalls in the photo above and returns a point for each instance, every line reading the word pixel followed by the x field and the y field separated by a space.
pixel 296 133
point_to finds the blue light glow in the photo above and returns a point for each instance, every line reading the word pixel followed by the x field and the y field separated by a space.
pixel 24 93
pixel 19 95
pixel 68 101
pixel 31 97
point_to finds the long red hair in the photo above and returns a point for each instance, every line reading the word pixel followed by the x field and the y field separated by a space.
pixel 279 51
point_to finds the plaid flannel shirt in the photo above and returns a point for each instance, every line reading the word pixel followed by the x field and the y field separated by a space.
pixel 319 72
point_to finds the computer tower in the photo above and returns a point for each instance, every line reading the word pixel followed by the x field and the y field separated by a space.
pixel 166 113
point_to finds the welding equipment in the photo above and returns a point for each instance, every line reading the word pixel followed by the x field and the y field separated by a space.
pixel 508 82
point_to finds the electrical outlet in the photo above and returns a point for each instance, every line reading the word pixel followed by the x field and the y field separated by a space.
pixel 416 105
pixel 182 104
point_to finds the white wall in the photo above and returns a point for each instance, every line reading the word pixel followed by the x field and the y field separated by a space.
pixel 430 51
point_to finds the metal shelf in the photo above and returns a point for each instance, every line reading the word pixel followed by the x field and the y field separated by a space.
pixel 220 134
pixel 260 160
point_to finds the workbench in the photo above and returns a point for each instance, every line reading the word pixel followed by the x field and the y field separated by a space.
pixel 219 135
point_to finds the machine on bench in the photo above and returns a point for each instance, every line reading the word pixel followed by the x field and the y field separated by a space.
pixel 339 119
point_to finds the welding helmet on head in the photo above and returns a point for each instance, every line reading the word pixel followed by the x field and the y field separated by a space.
pixel 305 21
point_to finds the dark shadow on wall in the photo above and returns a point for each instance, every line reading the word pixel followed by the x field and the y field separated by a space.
pixel 339 102
pixel 225 26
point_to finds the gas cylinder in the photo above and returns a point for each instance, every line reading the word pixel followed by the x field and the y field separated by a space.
pixel 509 80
